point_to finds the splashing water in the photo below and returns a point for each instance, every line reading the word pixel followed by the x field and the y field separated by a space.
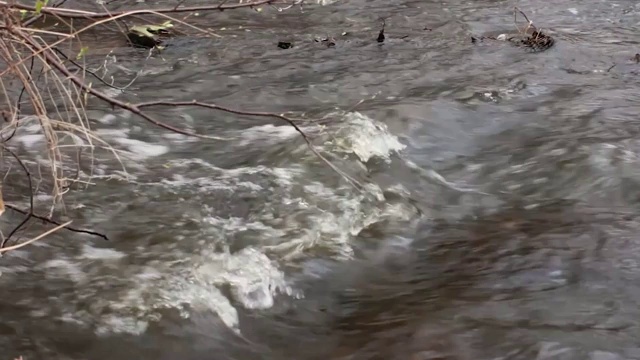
pixel 292 218
pixel 366 138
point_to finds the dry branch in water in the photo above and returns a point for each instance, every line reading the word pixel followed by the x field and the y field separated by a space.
pixel 14 247
pixel 529 37
pixel 53 90
pixel 536 39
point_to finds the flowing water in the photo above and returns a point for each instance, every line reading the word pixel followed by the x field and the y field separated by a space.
pixel 496 217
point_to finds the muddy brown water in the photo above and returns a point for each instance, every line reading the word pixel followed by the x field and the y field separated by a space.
pixel 498 220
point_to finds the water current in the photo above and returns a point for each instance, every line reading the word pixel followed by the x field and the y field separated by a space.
pixel 497 217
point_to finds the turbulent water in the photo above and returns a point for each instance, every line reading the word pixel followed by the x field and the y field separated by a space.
pixel 492 212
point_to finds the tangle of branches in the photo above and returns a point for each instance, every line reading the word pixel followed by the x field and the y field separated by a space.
pixel 43 85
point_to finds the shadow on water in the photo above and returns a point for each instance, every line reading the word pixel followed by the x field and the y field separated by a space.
pixel 498 220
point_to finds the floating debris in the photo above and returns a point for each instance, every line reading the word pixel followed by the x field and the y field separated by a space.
pixel 149 36
pixel 530 38
pixel 285 45
pixel 328 41
pixel 537 41
pixel 381 33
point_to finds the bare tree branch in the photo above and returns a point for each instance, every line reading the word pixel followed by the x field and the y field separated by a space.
pixel 47 220
pixel 137 108
pixel 288 120
pixel 14 247
pixel 28 214
pixel 20 43
pixel 179 4
pixel 69 13
pixel 52 61
pixel 39 16
pixel 96 76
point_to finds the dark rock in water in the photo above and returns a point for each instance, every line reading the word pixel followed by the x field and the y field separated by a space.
pixel 143 41
pixel 285 45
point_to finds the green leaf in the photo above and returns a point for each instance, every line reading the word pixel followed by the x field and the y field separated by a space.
pixel 82 53
pixel 40 4
pixel 23 14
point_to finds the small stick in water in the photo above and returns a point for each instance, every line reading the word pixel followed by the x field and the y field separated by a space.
pixel 381 33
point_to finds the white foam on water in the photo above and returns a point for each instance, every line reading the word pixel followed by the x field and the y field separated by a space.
pixel 254 279
pixel 30 141
pixel 199 295
pixel 127 303
pixel 193 286
pixel 64 268
pixel 359 134
pixel 142 150
pixel 93 253
pixel 332 222
pixel 367 138
pixel 267 134
pixel 113 133
pixel 118 324
pixel 291 218
pixel 316 216
pixel 236 224
pixel 108 119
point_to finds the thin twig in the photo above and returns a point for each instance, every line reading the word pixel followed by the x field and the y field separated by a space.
pixel 96 76
pixel 70 13
pixel 517 10
pixel 288 120
pixel 14 247
pixel 19 103
pixel 28 214
pixel 95 24
pixel 179 4
pixel 137 108
pixel 102 96
pixel 47 220
pixel 40 15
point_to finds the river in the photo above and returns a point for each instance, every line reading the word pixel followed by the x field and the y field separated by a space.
pixel 497 217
